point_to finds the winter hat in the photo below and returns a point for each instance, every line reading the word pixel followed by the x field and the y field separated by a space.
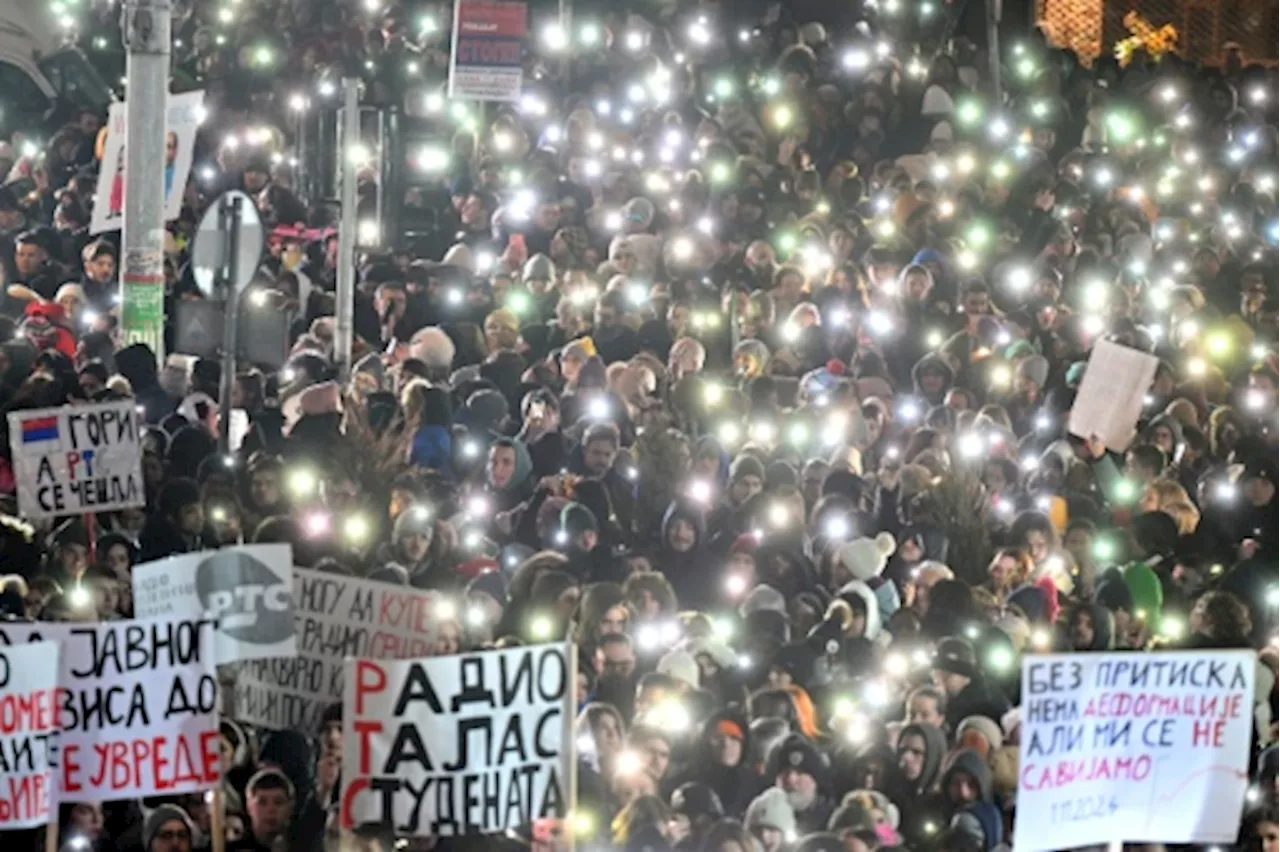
pixel 866 557
pixel 161 817
pixel 413 523
pixel 937 101
pixel 681 665
pixel 746 465
pixel 1034 369
pixel 984 726
pixel 771 810
pixel 696 800
pixel 956 656
pixel 721 654
pixel 797 752
pixel 761 597
pixel 459 254
pixel 1145 589
pixel 850 816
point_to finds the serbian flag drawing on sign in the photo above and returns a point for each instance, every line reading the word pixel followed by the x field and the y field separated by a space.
pixel 39 429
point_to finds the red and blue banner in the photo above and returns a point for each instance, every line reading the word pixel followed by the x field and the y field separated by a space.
pixel 488 50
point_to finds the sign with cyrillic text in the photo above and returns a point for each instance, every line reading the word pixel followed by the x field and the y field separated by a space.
pixel 1133 747
pixel 28 720
pixel 248 589
pixel 76 459
pixel 139 707
pixel 335 617
pixel 488 50
pixel 451 746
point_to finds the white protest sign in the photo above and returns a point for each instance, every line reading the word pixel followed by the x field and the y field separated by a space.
pixel 1109 401
pixel 28 719
pixel 185 112
pixel 335 617
pixel 76 459
pixel 1133 747
pixel 450 746
pixel 139 709
pixel 248 589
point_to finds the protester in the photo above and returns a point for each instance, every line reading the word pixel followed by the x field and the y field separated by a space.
pixel 741 349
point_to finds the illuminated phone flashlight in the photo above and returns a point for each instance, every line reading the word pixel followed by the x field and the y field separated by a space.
pixel 729 433
pixel 1000 659
pixel 628 762
pixel 735 585
pixel 470 448
pixel 778 515
pixel 837 528
pixel 879 323
pixel 700 491
pixel 541 627
pixel 764 432
pixel 909 411
pixel 316 524
pixel 1173 627
pixel 1005 507
pixel 971 445
pixel 302 483
pixel 798 434
pixel 477 506
pixel 356 529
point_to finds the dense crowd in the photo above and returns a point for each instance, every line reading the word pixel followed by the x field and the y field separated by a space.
pixel 741 351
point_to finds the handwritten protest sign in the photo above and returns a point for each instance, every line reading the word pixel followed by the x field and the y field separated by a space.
pixel 28 719
pixel 249 590
pixel 1109 402
pixel 450 746
pixel 185 112
pixel 334 617
pixel 139 706
pixel 76 459
pixel 1140 747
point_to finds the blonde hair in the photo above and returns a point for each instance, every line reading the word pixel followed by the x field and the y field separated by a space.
pixel 1186 515
pixel 1165 492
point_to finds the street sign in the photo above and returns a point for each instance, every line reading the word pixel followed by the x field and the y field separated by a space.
pixel 216 251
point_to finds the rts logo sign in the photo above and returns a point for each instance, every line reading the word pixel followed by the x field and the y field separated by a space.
pixel 251 602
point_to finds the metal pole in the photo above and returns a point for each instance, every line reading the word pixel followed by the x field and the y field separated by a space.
pixel 993 48
pixel 347 231
pixel 391 169
pixel 146 25
pixel 229 224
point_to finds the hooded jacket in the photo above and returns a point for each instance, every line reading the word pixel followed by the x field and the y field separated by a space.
pixel 935 362
pixel 1104 626
pixel 971 763
pixel 689 574
pixel 735 785
pixel 862 590
pixel 935 749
